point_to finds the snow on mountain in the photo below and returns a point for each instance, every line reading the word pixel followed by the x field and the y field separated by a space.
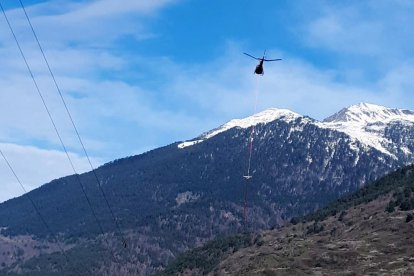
pixel 365 113
pixel 264 117
pixel 367 123
pixel 363 122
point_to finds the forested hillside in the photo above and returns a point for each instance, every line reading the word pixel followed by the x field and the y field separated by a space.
pixel 366 232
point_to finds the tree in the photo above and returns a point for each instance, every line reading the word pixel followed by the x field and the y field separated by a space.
pixel 409 217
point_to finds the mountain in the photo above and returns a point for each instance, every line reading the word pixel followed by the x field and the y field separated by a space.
pixel 264 117
pixel 179 196
pixel 366 233
pixel 375 126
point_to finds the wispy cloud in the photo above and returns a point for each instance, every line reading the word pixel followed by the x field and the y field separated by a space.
pixel 89 22
pixel 79 38
pixel 369 28
pixel 34 166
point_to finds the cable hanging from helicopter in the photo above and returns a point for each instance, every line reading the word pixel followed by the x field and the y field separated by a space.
pixel 259 71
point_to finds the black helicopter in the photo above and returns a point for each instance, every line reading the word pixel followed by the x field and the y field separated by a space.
pixel 259 68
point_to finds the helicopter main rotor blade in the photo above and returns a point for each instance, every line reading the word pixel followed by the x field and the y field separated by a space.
pixel 272 59
pixel 252 56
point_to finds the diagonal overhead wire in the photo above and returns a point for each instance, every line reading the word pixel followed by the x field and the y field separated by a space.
pixel 51 120
pixel 109 249
pixel 42 219
pixel 74 127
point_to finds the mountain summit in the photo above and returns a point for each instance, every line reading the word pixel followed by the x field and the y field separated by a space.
pixel 374 126
pixel 370 124
pixel 365 113
pixel 264 117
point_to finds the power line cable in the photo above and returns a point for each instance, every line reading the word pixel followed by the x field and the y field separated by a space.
pixel 59 136
pixel 35 207
pixel 52 121
pixel 74 127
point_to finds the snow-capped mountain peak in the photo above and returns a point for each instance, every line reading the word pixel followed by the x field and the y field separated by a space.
pixel 367 123
pixel 365 113
pixel 264 117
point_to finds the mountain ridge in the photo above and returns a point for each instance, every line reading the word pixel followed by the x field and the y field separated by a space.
pixel 170 199
pixel 369 113
pixel 363 121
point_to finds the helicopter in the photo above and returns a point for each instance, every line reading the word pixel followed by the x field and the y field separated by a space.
pixel 259 68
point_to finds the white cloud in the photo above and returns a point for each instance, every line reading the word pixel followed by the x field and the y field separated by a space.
pixel 34 167
pixel 104 8
pixel 343 32
pixel 89 22
pixel 78 69
pixel 371 28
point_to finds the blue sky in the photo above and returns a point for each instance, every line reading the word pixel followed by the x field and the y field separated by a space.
pixel 141 74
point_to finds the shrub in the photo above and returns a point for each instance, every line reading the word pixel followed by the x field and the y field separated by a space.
pixel 409 217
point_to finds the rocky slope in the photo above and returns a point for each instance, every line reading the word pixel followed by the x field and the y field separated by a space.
pixel 366 233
